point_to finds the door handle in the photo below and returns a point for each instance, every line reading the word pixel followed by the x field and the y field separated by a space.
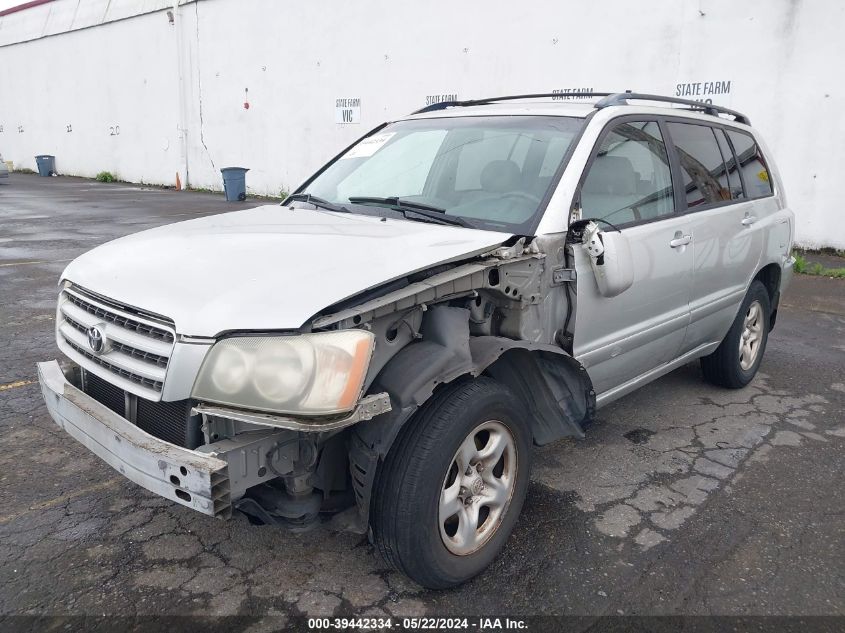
pixel 748 220
pixel 680 240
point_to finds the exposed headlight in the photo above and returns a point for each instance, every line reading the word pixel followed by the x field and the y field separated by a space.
pixel 305 374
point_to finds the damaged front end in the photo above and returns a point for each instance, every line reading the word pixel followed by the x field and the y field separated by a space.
pixel 285 425
pixel 505 314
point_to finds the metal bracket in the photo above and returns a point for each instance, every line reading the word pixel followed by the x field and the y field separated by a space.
pixel 563 275
pixel 368 407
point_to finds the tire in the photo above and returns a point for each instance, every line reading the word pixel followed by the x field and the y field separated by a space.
pixel 730 365
pixel 419 480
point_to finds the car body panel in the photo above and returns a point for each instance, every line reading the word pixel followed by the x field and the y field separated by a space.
pixel 618 338
pixel 267 268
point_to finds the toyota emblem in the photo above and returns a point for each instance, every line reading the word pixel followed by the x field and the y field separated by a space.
pixel 96 339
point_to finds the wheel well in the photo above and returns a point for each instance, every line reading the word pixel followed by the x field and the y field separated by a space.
pixel 770 277
pixel 555 389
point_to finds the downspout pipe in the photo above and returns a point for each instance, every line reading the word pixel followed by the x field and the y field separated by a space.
pixel 182 178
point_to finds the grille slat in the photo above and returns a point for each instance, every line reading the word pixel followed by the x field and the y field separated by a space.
pixel 120 320
pixel 137 349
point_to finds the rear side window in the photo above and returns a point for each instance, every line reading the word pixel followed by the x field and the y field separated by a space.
pixel 755 173
pixel 629 179
pixel 705 176
pixel 733 179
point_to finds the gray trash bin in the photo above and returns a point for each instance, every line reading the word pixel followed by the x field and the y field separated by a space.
pixel 46 164
pixel 234 182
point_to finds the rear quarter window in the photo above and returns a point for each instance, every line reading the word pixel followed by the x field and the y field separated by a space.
pixel 755 172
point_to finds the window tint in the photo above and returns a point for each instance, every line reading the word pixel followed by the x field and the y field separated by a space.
pixel 630 179
pixel 753 166
pixel 703 169
pixel 732 178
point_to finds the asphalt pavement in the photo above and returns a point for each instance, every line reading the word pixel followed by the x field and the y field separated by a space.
pixel 684 499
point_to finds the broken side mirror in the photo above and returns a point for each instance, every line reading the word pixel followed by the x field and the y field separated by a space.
pixel 611 259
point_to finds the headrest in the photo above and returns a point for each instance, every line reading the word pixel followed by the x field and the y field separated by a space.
pixel 501 176
pixel 613 175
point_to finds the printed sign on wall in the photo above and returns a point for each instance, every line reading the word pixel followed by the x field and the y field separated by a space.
pixel 564 94
pixel 432 99
pixel 718 92
pixel 347 110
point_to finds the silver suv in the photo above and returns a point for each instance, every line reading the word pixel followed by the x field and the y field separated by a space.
pixel 456 286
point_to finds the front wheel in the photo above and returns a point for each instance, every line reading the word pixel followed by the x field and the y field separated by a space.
pixel 452 487
pixel 736 360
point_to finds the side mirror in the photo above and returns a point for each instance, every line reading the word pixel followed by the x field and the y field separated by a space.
pixel 611 259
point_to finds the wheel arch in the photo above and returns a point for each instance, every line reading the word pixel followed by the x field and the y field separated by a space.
pixel 770 276
pixel 555 389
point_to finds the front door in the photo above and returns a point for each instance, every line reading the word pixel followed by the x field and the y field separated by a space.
pixel 628 183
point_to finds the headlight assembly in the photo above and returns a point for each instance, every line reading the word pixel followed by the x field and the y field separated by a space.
pixel 305 374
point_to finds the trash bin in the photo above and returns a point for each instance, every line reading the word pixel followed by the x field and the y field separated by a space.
pixel 46 164
pixel 234 182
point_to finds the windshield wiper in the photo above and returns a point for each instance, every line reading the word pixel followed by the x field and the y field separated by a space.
pixel 318 202
pixel 405 206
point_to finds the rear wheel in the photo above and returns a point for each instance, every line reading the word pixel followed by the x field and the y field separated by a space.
pixel 736 360
pixel 453 485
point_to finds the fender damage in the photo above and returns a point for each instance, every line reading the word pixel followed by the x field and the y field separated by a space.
pixel 487 316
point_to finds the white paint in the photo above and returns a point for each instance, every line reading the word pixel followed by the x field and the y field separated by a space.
pixel 177 90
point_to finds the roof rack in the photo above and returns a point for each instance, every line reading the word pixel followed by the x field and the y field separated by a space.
pixel 606 99
pixel 473 102
pixel 621 98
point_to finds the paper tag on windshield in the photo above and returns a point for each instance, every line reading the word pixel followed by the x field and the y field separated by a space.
pixel 369 146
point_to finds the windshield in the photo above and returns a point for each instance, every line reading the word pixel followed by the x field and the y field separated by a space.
pixel 493 172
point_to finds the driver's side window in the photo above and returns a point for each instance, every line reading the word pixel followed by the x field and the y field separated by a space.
pixel 629 180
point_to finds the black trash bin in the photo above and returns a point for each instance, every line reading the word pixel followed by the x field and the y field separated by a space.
pixel 234 183
pixel 46 164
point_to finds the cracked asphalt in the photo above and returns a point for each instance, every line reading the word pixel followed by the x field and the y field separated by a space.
pixel 684 499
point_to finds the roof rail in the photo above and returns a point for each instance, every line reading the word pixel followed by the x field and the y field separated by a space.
pixel 473 102
pixel 622 98
pixel 607 99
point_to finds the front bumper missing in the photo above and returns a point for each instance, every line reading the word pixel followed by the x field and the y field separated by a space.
pixel 194 479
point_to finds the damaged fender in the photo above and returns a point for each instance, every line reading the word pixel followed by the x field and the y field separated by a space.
pixel 554 387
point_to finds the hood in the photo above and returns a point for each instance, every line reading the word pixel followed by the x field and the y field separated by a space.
pixel 266 268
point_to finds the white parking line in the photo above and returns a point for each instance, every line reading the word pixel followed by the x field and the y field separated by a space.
pixel 43 261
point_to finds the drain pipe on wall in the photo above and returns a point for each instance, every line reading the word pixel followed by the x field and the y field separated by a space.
pixel 182 176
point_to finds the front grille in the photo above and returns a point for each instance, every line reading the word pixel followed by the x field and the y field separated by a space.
pixel 168 421
pixel 106 314
pixel 137 346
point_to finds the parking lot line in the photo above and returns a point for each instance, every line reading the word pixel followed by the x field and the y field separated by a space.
pixel 17 383
pixel 44 261
pixel 45 505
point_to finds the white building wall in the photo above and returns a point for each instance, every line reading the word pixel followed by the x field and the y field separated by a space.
pixel 291 61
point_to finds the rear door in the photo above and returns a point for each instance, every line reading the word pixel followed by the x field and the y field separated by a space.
pixel 628 183
pixel 725 220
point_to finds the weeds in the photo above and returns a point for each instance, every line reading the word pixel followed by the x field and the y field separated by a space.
pixel 802 266
pixel 106 176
